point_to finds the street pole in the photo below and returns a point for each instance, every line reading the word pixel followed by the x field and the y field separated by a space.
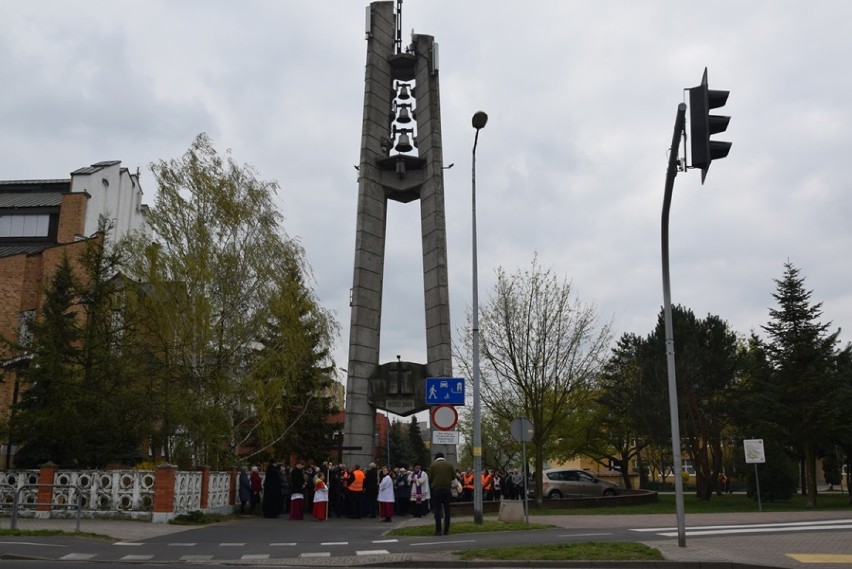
pixel 667 308
pixel 479 120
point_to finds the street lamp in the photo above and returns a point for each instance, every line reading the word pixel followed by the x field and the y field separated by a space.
pixel 479 120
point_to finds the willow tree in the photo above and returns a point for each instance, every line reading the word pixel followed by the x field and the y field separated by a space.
pixel 541 350
pixel 218 276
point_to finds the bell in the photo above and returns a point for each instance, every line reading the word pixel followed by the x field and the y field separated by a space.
pixel 404 94
pixel 404 144
pixel 404 114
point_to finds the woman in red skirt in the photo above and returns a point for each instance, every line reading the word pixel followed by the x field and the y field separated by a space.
pixel 386 496
pixel 320 511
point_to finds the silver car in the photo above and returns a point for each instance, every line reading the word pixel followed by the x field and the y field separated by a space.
pixel 572 482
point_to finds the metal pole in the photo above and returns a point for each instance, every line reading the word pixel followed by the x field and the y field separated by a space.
pixel 757 484
pixel 667 307
pixel 479 120
pixel 526 490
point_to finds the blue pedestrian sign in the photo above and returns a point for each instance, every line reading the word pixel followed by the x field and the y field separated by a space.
pixel 444 391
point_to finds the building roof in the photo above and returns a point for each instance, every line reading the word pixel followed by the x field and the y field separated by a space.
pixel 34 199
pixel 97 166
pixel 52 185
pixel 7 250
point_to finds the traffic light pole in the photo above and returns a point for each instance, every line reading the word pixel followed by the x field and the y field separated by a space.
pixel 671 172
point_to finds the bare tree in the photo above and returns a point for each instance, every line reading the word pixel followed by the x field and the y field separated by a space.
pixel 541 349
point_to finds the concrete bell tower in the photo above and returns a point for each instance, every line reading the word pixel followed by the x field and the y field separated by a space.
pixel 401 160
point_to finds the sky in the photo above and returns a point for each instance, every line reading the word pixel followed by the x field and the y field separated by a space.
pixel 581 99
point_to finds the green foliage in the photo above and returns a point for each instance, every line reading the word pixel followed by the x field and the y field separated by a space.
pixel 79 406
pixel 415 438
pixel 401 449
pixel 542 349
pixel 778 477
pixel 238 345
pixel 801 358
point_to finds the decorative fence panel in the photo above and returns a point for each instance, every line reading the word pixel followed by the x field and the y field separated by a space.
pixel 133 494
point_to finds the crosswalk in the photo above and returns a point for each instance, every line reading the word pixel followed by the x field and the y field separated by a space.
pixel 226 549
pixel 730 529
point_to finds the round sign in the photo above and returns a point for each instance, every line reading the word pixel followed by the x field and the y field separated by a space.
pixel 444 417
pixel 522 430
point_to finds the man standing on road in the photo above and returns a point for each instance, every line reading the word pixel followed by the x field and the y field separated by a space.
pixel 441 475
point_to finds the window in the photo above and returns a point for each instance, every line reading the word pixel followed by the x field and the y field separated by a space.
pixel 25 328
pixel 24 225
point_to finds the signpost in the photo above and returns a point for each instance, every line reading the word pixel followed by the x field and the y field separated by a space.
pixel 522 431
pixel 754 454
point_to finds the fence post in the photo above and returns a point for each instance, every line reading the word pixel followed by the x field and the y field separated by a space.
pixel 164 493
pixel 46 478
pixel 232 488
pixel 205 487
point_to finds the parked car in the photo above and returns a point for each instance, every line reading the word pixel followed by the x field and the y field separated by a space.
pixel 572 482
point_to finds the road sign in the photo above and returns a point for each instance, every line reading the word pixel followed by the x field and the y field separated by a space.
pixel 522 430
pixel 445 391
pixel 444 417
pixel 445 437
pixel 754 451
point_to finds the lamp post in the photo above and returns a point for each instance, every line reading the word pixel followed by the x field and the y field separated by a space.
pixel 479 120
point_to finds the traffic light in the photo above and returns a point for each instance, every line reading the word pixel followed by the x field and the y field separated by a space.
pixel 703 124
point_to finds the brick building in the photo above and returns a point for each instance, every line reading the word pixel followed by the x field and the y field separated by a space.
pixel 40 222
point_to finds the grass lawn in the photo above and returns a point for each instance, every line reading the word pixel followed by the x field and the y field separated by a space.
pixel 727 503
pixel 589 551
pixel 468 527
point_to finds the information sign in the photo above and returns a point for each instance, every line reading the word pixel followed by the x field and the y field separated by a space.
pixel 445 391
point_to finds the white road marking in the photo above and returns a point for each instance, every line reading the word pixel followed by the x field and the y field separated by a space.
pixel 373 552
pixel 752 528
pixel 137 558
pixel 282 544
pixel 254 556
pixel 182 544
pixel 231 544
pixel 78 556
pixel 442 542
pixel 385 541
pixel 334 543
pixel 319 554
pixel 126 543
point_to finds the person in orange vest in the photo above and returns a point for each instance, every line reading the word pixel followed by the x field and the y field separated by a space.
pixel 467 485
pixel 487 484
pixel 354 489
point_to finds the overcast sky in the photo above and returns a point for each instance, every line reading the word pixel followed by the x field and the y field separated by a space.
pixel 581 98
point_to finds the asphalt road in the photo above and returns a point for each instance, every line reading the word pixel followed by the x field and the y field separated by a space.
pixel 819 540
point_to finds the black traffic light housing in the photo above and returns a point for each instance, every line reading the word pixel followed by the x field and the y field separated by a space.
pixel 703 124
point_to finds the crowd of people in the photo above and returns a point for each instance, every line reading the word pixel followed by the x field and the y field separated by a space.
pixel 338 491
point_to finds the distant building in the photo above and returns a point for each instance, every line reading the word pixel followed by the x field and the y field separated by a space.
pixel 40 222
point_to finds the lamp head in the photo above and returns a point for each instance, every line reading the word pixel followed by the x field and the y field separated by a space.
pixel 479 120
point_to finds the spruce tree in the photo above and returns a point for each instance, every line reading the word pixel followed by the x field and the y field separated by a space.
pixel 801 352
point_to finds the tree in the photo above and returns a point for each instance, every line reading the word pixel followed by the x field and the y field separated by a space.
pixel 238 343
pixel 418 447
pixel 801 351
pixel 401 450
pixel 542 349
pixel 81 399
pixel 708 369
pixel 629 409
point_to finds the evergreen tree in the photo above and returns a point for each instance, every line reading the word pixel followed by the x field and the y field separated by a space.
pixel 801 352
pixel 415 437
pixel 402 453
pixel 48 417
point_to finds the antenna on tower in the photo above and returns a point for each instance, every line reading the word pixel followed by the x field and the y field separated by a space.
pixel 398 42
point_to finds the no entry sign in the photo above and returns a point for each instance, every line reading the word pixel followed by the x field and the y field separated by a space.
pixel 444 417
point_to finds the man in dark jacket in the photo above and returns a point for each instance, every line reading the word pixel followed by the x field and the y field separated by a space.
pixel 441 475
